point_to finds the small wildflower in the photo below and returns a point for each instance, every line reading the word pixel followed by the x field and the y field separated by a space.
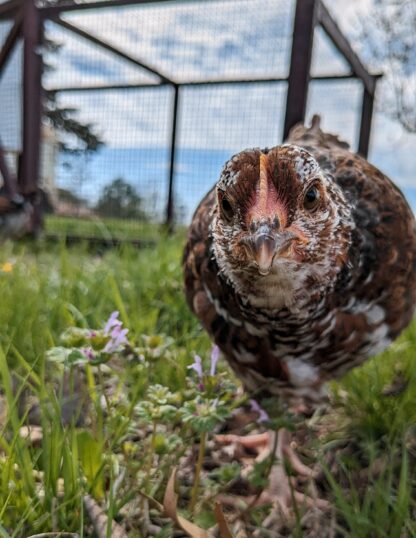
pixel 7 267
pixel 197 366
pixel 263 416
pixel 113 329
pixel 89 353
pixel 112 322
pixel 118 338
pixel 215 355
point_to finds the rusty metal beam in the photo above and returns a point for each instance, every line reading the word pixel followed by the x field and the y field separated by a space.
pixel 9 43
pixel 300 62
pixel 333 31
pixel 117 52
pixel 170 217
pixel 190 83
pixel 366 119
pixel 51 11
pixel 32 31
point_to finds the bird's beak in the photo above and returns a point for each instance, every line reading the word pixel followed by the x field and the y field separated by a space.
pixel 264 251
pixel 265 245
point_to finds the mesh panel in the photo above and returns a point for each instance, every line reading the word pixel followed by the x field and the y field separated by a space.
pixel 199 40
pixel 228 119
pixel 10 99
pixel 141 160
pixel 326 60
pixel 339 105
pixel 186 43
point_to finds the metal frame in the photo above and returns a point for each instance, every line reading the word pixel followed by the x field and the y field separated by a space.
pixel 32 32
pixel 29 21
pixel 300 63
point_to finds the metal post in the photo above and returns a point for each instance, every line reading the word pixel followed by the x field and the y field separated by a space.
pixel 300 62
pixel 32 98
pixel 170 204
pixel 366 118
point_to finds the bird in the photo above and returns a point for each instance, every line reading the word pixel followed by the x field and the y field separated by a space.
pixel 16 214
pixel 300 263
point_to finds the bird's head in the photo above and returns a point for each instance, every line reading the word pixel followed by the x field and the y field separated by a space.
pixel 279 220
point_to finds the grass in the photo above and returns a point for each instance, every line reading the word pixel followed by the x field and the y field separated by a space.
pixel 104 228
pixel 112 431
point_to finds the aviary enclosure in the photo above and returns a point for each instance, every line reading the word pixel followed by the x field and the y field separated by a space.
pixel 163 113
pixel 116 117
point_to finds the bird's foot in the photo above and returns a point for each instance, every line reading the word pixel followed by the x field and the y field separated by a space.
pixel 282 491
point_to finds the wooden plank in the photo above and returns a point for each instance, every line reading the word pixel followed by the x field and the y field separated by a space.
pixel 333 31
pixel 112 49
pixel 300 62
pixel 9 43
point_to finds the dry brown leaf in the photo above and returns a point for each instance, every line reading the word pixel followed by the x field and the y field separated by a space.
pixel 170 503
pixel 100 520
pixel 222 522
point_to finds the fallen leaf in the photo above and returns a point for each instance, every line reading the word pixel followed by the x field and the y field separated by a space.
pixel 170 503
pixel 222 522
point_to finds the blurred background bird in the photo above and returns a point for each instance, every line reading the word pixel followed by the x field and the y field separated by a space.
pixel 15 216
pixel 300 264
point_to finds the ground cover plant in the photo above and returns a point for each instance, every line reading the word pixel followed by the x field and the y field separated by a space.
pixel 108 384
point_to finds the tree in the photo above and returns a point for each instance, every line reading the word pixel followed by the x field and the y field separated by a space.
pixel 388 42
pixel 120 199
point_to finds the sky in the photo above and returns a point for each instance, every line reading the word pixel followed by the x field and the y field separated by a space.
pixel 195 41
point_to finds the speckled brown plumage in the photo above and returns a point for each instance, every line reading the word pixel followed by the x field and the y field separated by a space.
pixel 300 264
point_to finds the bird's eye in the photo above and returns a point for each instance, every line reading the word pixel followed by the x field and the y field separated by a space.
pixel 312 198
pixel 227 209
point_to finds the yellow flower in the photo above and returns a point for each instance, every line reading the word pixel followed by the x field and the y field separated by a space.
pixel 7 267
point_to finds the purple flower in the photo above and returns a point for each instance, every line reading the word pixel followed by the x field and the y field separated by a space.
pixel 215 355
pixel 118 338
pixel 263 416
pixel 112 322
pixel 113 329
pixel 89 353
pixel 197 366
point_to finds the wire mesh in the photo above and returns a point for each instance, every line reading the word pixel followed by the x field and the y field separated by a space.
pixel 215 123
pixel 10 99
pixel 341 109
pixel 122 91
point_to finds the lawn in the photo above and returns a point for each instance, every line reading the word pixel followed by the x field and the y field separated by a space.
pixel 94 420
pixel 102 228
